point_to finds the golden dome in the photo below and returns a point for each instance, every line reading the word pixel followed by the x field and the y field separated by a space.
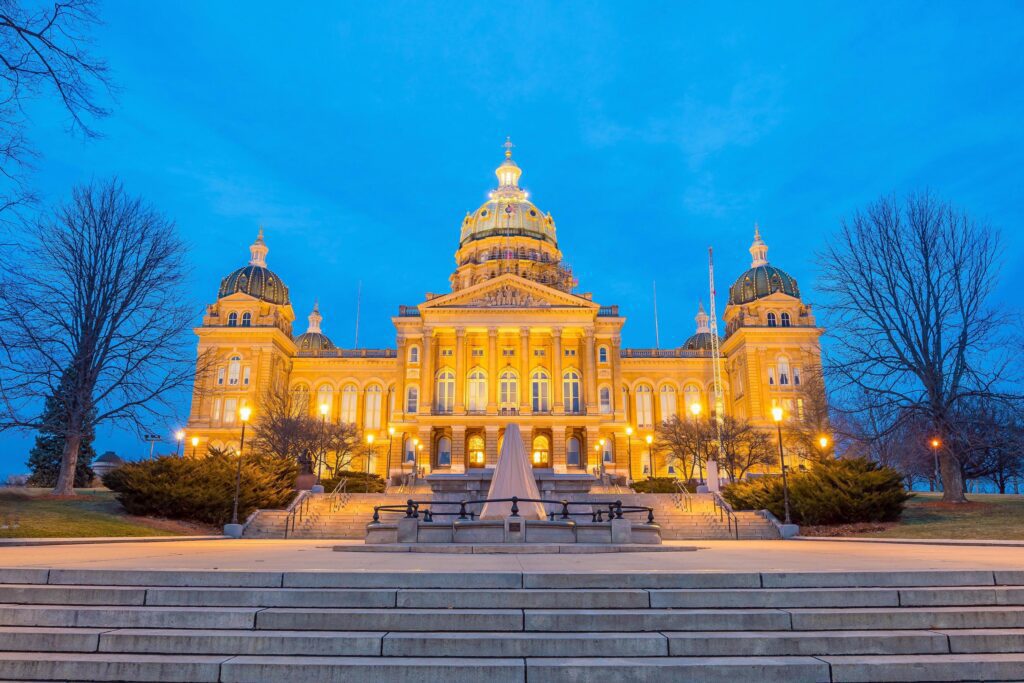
pixel 508 212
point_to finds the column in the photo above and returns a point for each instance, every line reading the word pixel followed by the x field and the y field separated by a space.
pixel 460 372
pixel 558 448
pixel 427 373
pixel 491 444
pixel 558 407
pixel 618 398
pixel 590 373
pixel 524 370
pixel 492 370
pixel 423 456
pixel 527 432
pixel 458 449
pixel 592 458
pixel 402 352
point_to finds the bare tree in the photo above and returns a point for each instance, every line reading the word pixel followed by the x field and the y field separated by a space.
pixel 686 441
pixel 804 433
pixel 91 311
pixel 45 50
pixel 908 288
pixel 745 447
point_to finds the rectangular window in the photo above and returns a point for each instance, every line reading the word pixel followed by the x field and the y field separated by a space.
pixel 446 353
pixel 796 376
pixel 570 352
pixel 477 353
pixel 508 353
pixel 220 376
pixel 245 375
pixel 771 377
pixel 538 353
pixel 230 405
pixel 216 409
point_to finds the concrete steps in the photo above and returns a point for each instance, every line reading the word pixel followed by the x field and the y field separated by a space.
pixel 112 625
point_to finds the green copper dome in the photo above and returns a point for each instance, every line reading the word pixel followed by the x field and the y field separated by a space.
pixel 759 282
pixel 699 342
pixel 313 341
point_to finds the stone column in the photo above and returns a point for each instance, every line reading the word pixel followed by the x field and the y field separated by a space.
pixel 590 373
pixel 558 448
pixel 458 449
pixel 424 455
pixel 427 373
pixel 558 405
pixel 491 444
pixel 527 432
pixel 492 370
pixel 618 398
pixel 460 372
pixel 524 370
pixel 592 458
pixel 402 352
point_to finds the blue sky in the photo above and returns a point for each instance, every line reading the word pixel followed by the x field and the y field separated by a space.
pixel 359 134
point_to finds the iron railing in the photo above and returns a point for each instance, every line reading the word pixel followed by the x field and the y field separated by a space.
pixel 339 496
pixel 295 512
pixel 726 514
pixel 615 509
pixel 682 497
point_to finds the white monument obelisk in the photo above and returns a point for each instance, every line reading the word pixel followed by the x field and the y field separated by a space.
pixel 513 476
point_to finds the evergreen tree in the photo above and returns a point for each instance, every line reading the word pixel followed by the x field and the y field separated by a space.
pixel 45 457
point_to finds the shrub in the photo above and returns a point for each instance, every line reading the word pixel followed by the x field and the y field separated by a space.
pixel 202 489
pixel 358 482
pixel 831 492
pixel 660 485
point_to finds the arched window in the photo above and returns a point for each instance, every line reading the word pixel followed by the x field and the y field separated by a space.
pixel 232 319
pixel 414 354
pixel 477 390
pixel 783 371
pixel 508 389
pixel 410 450
pixel 772 320
pixel 605 399
pixel 349 402
pixel 412 399
pixel 691 397
pixel 475 448
pixel 644 407
pixel 371 411
pixel 444 452
pixel 602 354
pixel 572 452
pixel 785 319
pixel 668 401
pixel 445 391
pixel 540 391
pixel 234 369
pixel 324 397
pixel 541 451
pixel 300 399
pixel 247 319
pixel 571 391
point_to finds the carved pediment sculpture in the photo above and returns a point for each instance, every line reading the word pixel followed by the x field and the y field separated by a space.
pixel 507 296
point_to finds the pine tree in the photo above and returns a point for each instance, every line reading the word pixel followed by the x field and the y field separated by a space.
pixel 44 458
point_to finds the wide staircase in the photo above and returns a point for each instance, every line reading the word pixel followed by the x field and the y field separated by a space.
pixel 328 516
pixel 320 627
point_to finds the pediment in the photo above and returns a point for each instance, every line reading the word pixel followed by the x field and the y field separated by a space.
pixel 509 291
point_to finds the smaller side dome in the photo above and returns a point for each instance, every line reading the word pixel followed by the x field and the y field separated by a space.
pixel 702 340
pixel 313 339
pixel 762 279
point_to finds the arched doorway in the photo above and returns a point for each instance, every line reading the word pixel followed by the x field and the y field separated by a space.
pixel 541 453
pixel 475 456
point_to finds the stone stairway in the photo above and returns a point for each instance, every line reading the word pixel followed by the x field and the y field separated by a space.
pixel 318 627
pixel 320 520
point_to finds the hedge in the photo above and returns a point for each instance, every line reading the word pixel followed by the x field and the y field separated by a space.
pixel 660 485
pixel 358 482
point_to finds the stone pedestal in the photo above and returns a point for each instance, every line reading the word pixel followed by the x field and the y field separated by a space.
pixel 407 529
pixel 622 531
pixel 515 530
pixel 233 530
pixel 713 484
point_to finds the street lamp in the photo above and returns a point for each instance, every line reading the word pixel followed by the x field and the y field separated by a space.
pixel 324 409
pixel 180 436
pixel 195 442
pixel 243 413
pixel 695 410
pixel 391 436
pixel 650 452
pixel 777 416
pixel 601 443
pixel 936 444
pixel 629 449
pixel 369 451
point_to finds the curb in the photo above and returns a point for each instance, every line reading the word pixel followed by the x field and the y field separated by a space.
pixel 13 542
pixel 984 542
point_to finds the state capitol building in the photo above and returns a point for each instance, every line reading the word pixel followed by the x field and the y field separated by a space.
pixel 513 341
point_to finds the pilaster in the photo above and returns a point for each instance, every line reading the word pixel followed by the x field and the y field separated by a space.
pixel 558 405
pixel 590 372
pixel 427 374
pixel 458 449
pixel 524 370
pixel 491 444
pixel 460 372
pixel 558 448
pixel 492 370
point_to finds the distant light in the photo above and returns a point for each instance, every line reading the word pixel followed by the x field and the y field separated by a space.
pixel 695 408
pixel 369 438
pixel 244 412
pixel 777 414
pixel 179 435
pixel 195 441
pixel 649 439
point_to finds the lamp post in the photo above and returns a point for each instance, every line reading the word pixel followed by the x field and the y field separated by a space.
pixel 324 408
pixel 936 444
pixel 195 442
pixel 601 443
pixel 180 436
pixel 629 449
pixel 391 437
pixel 243 413
pixel 650 451
pixel 369 451
pixel 695 410
pixel 777 416
pixel 823 445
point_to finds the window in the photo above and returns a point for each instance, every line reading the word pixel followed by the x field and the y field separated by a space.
pixel 445 391
pixel 644 412
pixel 245 375
pixel 414 354
pixel 540 391
pixel 477 390
pixel 538 353
pixel 371 415
pixel 216 409
pixel 412 399
pixel 476 451
pixel 571 391
pixel 572 452
pixel 508 353
pixel 570 353
pixel 220 376
pixel 247 319
pixel 668 401
pixel 232 319
pixel 602 354
pixel 691 396
pixel 324 396
pixel 234 369
pixel 605 399
pixel 444 452
pixel 410 450
pixel 508 389
pixel 541 451
pixel 608 456
pixel 300 399
pixel 771 377
pixel 446 353
pixel 477 353
pixel 230 405
pixel 785 319
pixel 349 402
pixel 772 321
pixel 783 371
pixel 796 376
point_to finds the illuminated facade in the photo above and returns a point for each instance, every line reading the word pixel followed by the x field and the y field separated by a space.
pixel 512 341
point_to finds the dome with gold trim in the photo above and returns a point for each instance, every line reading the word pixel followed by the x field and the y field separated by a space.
pixel 508 210
pixel 256 279
pixel 702 340
pixel 313 339
pixel 762 279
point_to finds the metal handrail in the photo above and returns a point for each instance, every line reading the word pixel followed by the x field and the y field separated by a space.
pixel 616 509
pixel 297 505
pixel 726 514
pixel 682 497
pixel 339 496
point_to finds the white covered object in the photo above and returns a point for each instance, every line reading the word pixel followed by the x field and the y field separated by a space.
pixel 513 476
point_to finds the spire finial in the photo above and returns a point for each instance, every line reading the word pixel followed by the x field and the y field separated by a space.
pixel 702 319
pixel 758 250
pixel 315 318
pixel 508 147
pixel 258 251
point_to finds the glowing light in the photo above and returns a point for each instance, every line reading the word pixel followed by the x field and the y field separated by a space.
pixel 629 431
pixel 179 435
pixel 195 441
pixel 244 412
pixel 536 457
pixel 415 442
pixel 601 441
pixel 369 438
pixel 391 431
pixel 695 408
pixel 324 408
pixel 823 442
pixel 777 414
pixel 649 439
pixel 936 443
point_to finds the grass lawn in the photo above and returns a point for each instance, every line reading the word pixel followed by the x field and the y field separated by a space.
pixel 89 513
pixel 926 516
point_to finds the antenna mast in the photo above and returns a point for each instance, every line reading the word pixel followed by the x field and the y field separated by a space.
pixel 716 357
pixel 657 342
pixel 359 297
